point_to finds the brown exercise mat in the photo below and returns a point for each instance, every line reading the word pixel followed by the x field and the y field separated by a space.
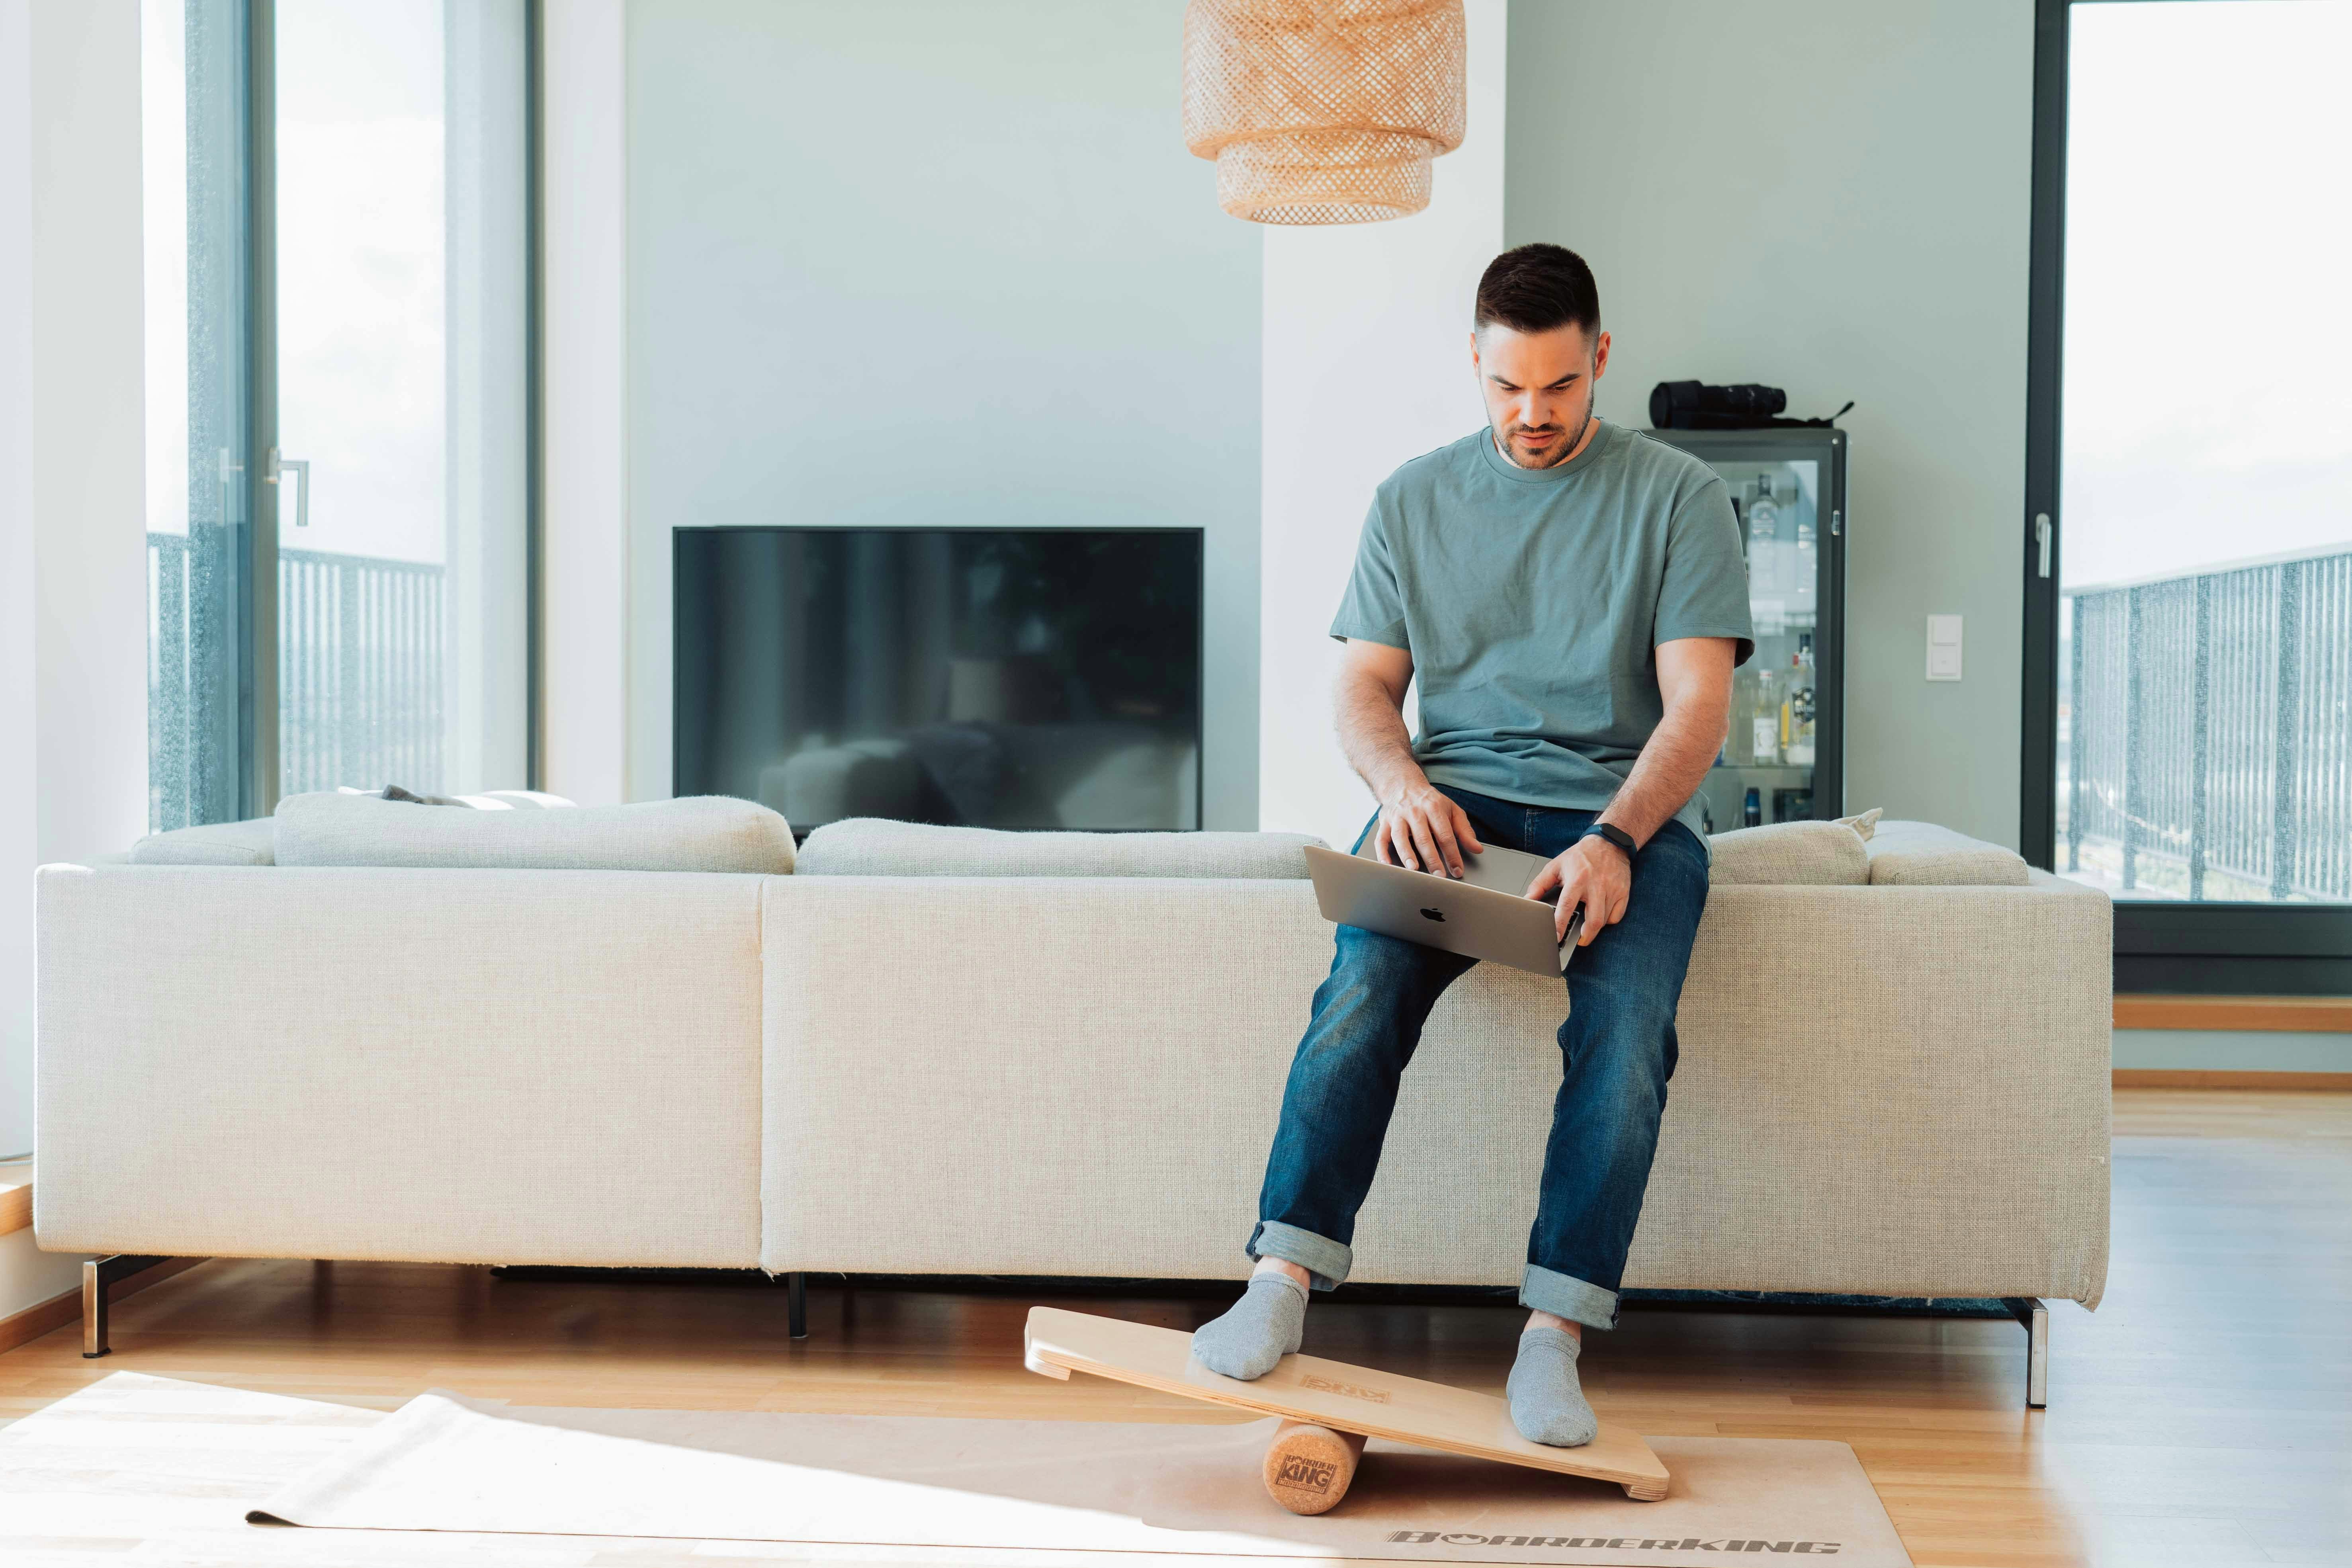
pixel 442 1463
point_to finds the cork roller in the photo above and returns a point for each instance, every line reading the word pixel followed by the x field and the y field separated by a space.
pixel 1308 1467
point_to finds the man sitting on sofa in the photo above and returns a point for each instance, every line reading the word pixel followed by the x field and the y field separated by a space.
pixel 1571 598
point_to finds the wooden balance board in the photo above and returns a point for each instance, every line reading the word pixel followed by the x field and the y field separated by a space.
pixel 1314 1392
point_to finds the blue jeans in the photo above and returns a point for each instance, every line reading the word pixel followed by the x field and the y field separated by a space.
pixel 1618 1050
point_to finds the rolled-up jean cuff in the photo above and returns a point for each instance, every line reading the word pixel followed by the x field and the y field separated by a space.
pixel 1326 1261
pixel 1565 1296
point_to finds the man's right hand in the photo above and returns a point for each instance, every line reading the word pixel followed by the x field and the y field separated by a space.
pixel 1422 830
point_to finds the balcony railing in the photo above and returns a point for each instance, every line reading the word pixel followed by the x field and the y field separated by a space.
pixel 359 689
pixel 2209 734
pixel 359 671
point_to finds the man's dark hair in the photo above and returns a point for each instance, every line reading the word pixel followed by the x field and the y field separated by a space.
pixel 1534 288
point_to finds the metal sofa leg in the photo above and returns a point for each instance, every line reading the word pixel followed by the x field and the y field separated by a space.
pixel 797 1308
pixel 96 1275
pixel 2036 1319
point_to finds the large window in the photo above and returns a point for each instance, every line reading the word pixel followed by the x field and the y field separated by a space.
pixel 2191 624
pixel 338 324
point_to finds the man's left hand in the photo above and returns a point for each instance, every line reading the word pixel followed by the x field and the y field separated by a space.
pixel 1592 872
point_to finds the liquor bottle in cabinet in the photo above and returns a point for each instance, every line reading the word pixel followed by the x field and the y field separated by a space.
pixel 1783 758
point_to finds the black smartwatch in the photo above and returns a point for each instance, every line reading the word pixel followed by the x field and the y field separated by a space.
pixel 1613 833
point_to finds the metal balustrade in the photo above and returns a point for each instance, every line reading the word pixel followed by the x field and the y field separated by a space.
pixel 2208 742
pixel 360 686
pixel 359 671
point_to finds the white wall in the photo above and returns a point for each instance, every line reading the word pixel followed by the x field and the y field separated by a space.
pixel 1366 367
pixel 485 701
pixel 73 779
pixel 924 263
pixel 585 629
pixel 1832 198
pixel 19 709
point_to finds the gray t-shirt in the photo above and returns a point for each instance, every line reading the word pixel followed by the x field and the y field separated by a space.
pixel 1531 601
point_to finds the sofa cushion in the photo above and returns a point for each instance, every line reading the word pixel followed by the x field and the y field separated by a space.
pixel 871 847
pixel 1923 855
pixel 699 833
pixel 1818 853
pixel 253 843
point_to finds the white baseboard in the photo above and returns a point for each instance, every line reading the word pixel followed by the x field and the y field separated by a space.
pixel 29 1276
pixel 2217 1050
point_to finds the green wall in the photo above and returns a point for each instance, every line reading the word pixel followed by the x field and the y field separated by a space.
pixel 1832 198
pixel 927 262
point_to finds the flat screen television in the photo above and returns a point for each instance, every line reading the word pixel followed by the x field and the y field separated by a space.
pixel 1042 677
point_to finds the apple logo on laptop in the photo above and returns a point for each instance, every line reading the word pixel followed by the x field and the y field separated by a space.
pixel 1438 915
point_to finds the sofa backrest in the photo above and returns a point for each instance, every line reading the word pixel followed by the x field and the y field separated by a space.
pixel 1886 1091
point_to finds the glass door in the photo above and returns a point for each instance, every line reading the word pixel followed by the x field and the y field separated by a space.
pixel 2187 539
pixel 400 293
pixel 337 205
pixel 2204 618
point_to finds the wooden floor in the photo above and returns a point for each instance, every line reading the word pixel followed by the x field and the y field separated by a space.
pixel 2202 1416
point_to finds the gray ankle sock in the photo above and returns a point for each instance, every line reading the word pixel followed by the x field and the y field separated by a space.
pixel 1262 1328
pixel 1546 1402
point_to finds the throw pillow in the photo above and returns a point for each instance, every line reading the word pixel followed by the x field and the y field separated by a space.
pixel 1923 855
pixel 871 847
pixel 1818 853
pixel 700 833
pixel 253 843
pixel 518 800
pixel 488 800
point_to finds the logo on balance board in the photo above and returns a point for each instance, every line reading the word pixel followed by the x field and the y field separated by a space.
pixel 1438 915
pixel 1350 1390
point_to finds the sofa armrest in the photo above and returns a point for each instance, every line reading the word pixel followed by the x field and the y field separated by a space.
pixel 460 1065
pixel 1888 1081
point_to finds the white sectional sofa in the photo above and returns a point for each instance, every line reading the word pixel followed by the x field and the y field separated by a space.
pixel 1885 1089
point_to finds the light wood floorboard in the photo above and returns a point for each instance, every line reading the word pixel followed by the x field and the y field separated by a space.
pixel 2202 1416
pixel 2298 1014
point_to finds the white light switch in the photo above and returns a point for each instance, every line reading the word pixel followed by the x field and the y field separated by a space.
pixel 1943 647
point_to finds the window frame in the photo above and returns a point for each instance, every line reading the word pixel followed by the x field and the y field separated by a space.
pixel 2214 948
pixel 257 605
pixel 534 549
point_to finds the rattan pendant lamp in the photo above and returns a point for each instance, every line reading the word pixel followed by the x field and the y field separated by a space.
pixel 1322 112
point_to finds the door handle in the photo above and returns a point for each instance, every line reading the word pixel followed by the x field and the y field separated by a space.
pixel 2041 529
pixel 278 466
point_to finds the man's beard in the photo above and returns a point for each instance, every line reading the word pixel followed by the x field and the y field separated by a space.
pixel 1559 453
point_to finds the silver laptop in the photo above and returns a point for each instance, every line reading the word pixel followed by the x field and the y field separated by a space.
pixel 1481 916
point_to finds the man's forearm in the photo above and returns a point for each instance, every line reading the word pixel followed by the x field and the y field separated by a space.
pixel 1373 738
pixel 1670 769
